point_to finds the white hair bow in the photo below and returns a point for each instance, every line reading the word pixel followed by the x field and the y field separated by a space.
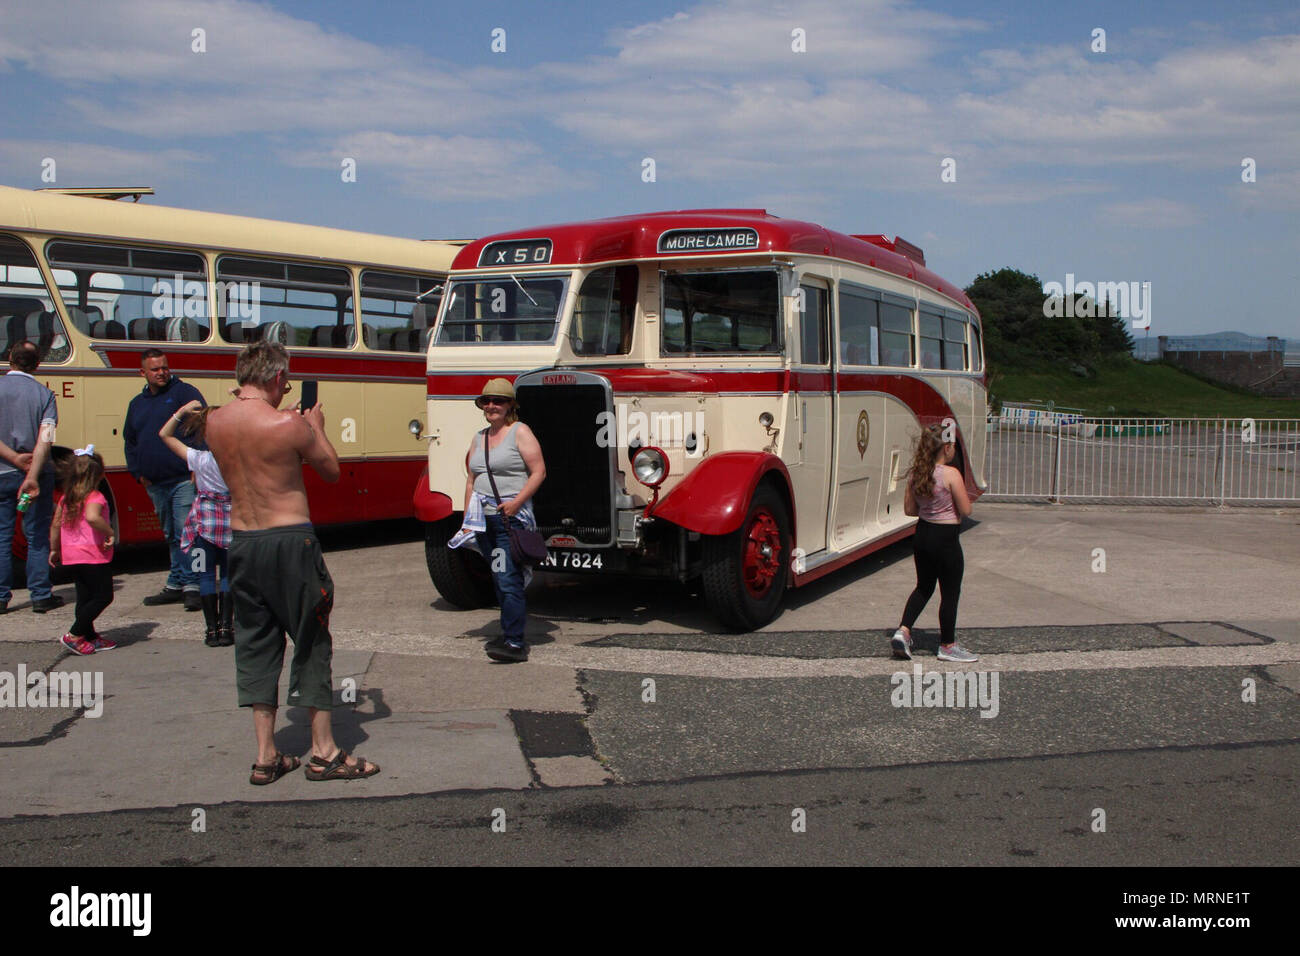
pixel 88 450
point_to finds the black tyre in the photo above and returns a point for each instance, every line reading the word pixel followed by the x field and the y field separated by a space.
pixel 460 575
pixel 745 572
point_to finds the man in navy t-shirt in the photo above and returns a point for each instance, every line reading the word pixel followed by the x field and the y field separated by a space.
pixel 164 475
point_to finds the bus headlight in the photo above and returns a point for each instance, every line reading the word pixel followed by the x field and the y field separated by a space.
pixel 650 466
pixel 415 427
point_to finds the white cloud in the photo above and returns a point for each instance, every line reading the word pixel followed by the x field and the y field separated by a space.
pixel 714 93
pixel 443 167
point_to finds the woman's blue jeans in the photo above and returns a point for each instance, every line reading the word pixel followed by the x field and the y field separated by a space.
pixel 507 576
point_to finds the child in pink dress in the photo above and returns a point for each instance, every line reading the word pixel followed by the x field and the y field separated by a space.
pixel 81 539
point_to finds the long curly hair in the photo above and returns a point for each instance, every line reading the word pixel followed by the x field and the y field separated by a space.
pixel 929 450
pixel 79 475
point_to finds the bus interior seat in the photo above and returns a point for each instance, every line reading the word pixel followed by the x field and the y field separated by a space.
pixel 274 332
pixel 369 336
pixel 329 336
pixel 108 329
pixel 147 330
pixel 39 328
pixel 422 341
pixel 83 319
pixel 19 305
pixel 182 328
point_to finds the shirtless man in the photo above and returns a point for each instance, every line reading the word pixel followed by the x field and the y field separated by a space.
pixel 278 578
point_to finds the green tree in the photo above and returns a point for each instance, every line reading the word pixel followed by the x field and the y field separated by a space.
pixel 1023 328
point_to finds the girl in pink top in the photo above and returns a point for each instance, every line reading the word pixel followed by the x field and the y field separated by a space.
pixel 936 494
pixel 81 539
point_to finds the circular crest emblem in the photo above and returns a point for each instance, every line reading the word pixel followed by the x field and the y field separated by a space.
pixel 864 433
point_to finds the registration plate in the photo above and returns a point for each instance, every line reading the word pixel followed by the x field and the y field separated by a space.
pixel 574 560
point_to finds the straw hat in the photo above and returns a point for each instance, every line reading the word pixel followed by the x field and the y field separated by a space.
pixel 499 387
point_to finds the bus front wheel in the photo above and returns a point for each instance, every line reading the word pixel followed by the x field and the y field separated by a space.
pixel 745 571
pixel 460 574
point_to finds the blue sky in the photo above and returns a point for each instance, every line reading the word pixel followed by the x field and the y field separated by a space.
pixel 1115 166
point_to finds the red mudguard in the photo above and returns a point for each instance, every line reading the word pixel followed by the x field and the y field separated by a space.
pixel 714 498
pixel 430 506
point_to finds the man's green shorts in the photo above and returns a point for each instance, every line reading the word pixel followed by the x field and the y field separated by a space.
pixel 279 584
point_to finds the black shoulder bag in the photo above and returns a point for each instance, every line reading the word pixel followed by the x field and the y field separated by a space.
pixel 526 545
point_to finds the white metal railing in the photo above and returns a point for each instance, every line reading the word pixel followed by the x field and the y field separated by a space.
pixel 1158 460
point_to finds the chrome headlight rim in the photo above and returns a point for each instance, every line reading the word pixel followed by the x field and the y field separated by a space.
pixel 650 466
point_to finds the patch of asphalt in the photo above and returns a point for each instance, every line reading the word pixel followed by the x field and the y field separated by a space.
pixel 23 726
pixel 1189 806
pixel 825 645
pixel 552 734
pixel 700 726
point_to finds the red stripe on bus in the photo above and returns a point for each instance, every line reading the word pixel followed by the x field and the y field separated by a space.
pixel 366 491
pixel 301 364
pixel 920 396
pixel 642 380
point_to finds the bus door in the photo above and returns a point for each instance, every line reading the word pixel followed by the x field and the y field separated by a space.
pixel 864 416
pixel 812 391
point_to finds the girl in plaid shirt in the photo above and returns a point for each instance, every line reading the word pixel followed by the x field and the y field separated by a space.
pixel 206 535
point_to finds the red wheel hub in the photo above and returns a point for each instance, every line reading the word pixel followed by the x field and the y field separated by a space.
pixel 762 560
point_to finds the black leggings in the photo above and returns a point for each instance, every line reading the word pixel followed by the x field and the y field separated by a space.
pixel 94 593
pixel 938 557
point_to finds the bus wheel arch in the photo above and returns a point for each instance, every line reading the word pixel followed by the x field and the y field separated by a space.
pixel 746 572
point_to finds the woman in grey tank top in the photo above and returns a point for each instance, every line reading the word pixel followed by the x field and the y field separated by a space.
pixel 519 470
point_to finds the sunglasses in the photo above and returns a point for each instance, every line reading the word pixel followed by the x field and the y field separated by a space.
pixel 485 400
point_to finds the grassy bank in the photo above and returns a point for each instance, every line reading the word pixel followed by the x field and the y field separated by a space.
pixel 1127 387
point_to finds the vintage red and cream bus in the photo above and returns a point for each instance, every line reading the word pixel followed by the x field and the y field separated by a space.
pixel 95 283
pixel 718 393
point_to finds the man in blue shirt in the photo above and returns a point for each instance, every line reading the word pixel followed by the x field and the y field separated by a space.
pixel 28 414
pixel 163 474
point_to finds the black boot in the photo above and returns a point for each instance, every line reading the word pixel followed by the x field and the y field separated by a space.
pixel 210 618
pixel 226 634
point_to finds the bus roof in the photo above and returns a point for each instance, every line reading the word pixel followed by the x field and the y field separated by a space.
pixel 638 237
pixel 48 212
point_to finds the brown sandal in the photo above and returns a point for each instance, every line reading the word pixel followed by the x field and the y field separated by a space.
pixel 338 769
pixel 272 772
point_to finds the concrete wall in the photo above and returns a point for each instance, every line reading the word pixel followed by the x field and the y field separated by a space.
pixel 1261 372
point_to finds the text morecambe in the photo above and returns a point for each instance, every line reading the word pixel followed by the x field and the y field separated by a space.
pixel 688 241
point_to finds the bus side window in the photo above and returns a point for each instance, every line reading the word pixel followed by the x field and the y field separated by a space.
pixel 26 306
pixel 954 344
pixel 307 305
pixel 148 289
pixel 859 326
pixel 606 310
pixel 896 342
pixel 814 327
pixel 931 340
pixel 397 310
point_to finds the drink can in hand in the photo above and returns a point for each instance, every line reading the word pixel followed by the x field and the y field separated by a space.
pixel 23 501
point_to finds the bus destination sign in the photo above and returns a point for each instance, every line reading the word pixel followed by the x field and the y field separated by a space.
pixel 708 240
pixel 516 252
